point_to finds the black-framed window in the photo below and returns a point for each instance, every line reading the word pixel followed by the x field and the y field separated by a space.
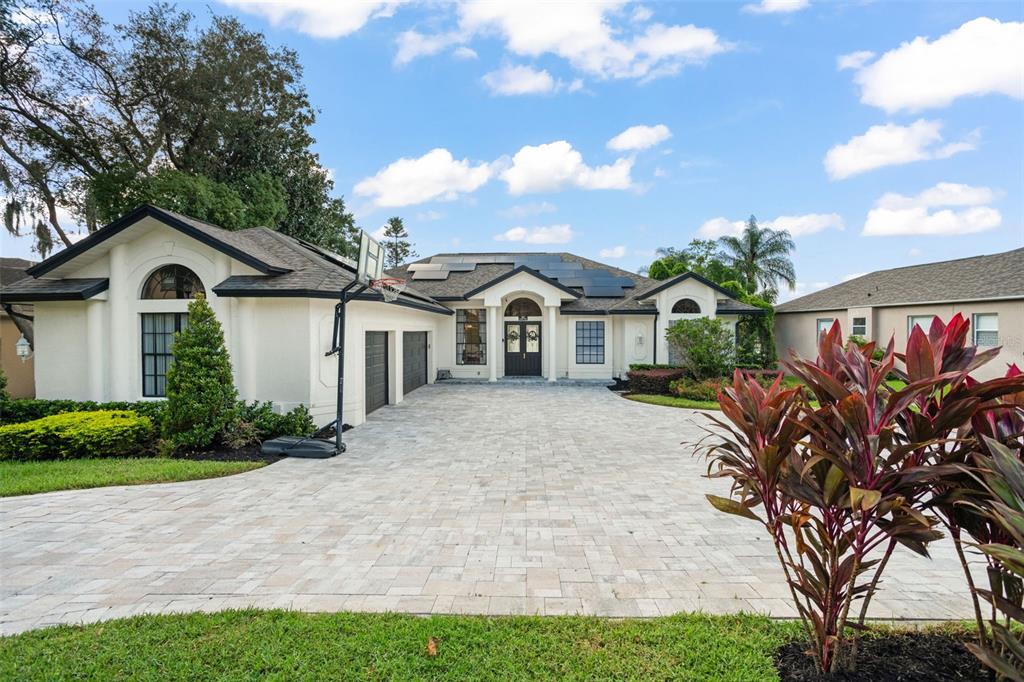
pixel 859 326
pixel 589 343
pixel 523 307
pixel 686 306
pixel 174 282
pixel 158 331
pixel 471 336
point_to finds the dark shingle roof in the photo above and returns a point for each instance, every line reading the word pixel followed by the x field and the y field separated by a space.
pixel 977 278
pixel 13 269
pixel 71 289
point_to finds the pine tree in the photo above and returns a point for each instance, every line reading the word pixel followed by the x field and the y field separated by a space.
pixel 201 395
pixel 397 247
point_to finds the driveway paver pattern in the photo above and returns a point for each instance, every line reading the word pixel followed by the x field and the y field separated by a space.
pixel 485 499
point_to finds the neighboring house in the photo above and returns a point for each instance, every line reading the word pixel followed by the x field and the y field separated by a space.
pixel 15 322
pixel 987 290
pixel 106 310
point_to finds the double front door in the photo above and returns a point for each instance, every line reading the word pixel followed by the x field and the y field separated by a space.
pixel 522 349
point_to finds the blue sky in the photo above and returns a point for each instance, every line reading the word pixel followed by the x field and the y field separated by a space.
pixel 493 127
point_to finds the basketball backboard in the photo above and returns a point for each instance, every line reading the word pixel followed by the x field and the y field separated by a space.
pixel 371 259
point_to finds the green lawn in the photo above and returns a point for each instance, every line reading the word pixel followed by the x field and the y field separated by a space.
pixel 673 401
pixel 24 478
pixel 285 645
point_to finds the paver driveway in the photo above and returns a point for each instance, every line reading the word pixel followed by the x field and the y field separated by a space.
pixel 477 499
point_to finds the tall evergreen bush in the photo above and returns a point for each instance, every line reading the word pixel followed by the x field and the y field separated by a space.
pixel 201 395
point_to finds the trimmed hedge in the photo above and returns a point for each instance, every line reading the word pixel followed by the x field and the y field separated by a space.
pixel 105 433
pixel 707 389
pixel 653 381
pixel 29 409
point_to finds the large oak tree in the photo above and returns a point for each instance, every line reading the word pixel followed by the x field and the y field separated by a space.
pixel 208 120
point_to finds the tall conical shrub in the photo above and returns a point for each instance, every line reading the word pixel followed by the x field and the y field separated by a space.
pixel 201 395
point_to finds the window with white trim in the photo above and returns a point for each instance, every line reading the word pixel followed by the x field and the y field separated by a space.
pixel 822 325
pixel 922 321
pixel 985 328
pixel 589 343
pixel 471 336
pixel 859 326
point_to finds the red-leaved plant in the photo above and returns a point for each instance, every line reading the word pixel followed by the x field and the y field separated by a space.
pixel 838 470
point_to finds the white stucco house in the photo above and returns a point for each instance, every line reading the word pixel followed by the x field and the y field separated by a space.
pixel 106 310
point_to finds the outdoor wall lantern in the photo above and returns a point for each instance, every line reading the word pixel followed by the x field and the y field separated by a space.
pixel 23 348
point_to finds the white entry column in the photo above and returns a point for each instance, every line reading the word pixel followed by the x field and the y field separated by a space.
pixel 492 342
pixel 552 334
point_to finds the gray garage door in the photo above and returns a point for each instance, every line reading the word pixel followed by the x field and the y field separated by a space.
pixel 414 360
pixel 376 370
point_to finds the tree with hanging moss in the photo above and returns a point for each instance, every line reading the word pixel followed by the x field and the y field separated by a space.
pixel 201 395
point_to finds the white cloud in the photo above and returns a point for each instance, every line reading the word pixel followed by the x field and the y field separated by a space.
pixel 776 6
pixel 519 80
pixel 582 34
pixel 639 137
pixel 379 233
pixel 891 145
pixel 435 175
pixel 641 14
pixel 796 225
pixel 897 214
pixel 981 57
pixel 660 172
pixel 613 252
pixel 914 252
pixel 316 18
pixel 553 166
pixel 525 210
pixel 550 234
pixel 429 216
pixel 853 275
pixel 463 52
pixel 720 227
pixel 413 44
pixel 854 60
pixel 801 225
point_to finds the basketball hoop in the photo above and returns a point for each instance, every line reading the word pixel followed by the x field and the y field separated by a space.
pixel 388 287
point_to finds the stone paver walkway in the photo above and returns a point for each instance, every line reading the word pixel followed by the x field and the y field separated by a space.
pixel 464 499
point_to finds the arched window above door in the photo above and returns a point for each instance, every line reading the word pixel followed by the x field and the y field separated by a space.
pixel 523 307
pixel 686 306
pixel 171 282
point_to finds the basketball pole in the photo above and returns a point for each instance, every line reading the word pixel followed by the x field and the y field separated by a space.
pixel 339 348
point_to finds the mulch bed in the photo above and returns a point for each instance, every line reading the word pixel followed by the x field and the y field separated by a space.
pixel 247 454
pixel 911 657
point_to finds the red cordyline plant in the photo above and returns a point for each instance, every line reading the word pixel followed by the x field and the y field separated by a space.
pixel 834 475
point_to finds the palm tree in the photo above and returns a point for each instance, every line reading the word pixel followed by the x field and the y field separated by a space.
pixel 761 256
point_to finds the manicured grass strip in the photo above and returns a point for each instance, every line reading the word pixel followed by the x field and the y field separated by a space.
pixel 24 478
pixel 283 645
pixel 673 401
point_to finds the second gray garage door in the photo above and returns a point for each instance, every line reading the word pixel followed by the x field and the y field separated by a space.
pixel 376 370
pixel 414 360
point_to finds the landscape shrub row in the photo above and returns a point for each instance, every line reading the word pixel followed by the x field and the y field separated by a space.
pixel 707 389
pixel 653 381
pixel 29 409
pixel 103 433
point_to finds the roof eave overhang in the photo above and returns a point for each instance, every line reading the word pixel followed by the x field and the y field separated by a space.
pixel 671 282
pixel 512 273
pixel 38 297
pixel 148 211
pixel 243 292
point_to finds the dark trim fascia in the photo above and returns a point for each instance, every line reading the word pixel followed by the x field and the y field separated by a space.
pixel 329 295
pixel 635 312
pixel 582 312
pixel 33 297
pixel 679 278
pixel 758 312
pixel 148 211
pixel 449 298
pixel 512 273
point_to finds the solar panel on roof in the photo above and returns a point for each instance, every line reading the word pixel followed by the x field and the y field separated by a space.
pixel 430 274
pixel 460 267
pixel 611 292
pixel 446 259
pixel 416 267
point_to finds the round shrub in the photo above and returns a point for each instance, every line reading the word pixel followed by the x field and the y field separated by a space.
pixel 653 381
pixel 106 433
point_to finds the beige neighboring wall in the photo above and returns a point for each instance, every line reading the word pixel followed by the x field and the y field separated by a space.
pixel 20 374
pixel 797 330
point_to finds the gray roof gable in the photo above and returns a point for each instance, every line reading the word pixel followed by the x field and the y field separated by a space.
pixel 997 276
